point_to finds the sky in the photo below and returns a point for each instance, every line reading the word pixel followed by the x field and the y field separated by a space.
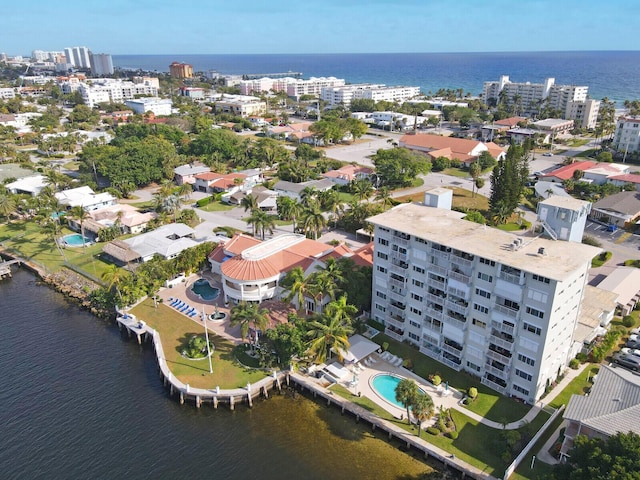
pixel 123 27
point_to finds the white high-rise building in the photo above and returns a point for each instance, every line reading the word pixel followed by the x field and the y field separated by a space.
pixel 79 57
pixel 501 307
pixel 627 136
pixel 343 95
pixel 101 64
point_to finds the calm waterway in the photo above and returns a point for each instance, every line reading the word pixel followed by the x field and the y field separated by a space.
pixel 81 401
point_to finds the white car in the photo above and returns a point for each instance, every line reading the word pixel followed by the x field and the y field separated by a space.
pixel 635 331
pixel 630 351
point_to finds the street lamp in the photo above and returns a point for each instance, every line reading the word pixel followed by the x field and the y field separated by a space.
pixel 206 337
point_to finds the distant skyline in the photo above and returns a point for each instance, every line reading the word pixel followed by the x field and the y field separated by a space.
pixel 122 27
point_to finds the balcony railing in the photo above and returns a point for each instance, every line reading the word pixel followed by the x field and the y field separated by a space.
pixel 430 350
pixel 449 363
pixel 397 297
pixel 501 342
pixel 397 239
pixel 500 358
pixel 503 327
pixel 454 322
pixel 397 283
pixel 398 269
pixel 462 262
pixel 503 374
pixel 495 386
pixel 395 311
pixel 461 309
pixel 393 335
pixel 440 253
pixel 457 292
pixel 437 284
pixel 510 277
pixel 399 255
pixel 435 298
pixel 442 271
pixel 509 312
pixel 461 277
pixel 433 313
pixel 395 322
pixel 431 327
pixel 451 350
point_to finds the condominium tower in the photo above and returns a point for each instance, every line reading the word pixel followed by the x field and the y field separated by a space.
pixel 501 307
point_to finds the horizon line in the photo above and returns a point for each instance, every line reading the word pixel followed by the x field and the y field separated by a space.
pixel 387 53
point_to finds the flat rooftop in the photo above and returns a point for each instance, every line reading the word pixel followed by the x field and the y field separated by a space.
pixel 559 261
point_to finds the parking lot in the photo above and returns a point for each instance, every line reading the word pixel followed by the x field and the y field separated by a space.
pixel 599 230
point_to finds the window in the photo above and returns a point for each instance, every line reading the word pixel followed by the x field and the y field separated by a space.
pixel 523 374
pixel 483 293
pixel 415 311
pixel 382 269
pixel 485 277
pixel 413 336
pixel 513 305
pixel 418 269
pixel 414 324
pixel 473 366
pixel 417 297
pixel 383 256
pixel 531 328
pixel 479 323
pixel 418 283
pixel 491 263
pixel 420 240
pixel 383 241
pixel 534 312
pixel 480 308
pixel 540 278
pixel 527 360
pixel 519 389
pixel 381 295
pixel 381 308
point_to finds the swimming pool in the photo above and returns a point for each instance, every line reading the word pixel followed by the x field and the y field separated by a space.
pixel 75 240
pixel 385 386
pixel 205 291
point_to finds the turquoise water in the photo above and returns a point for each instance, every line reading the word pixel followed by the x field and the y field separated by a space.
pixel 205 291
pixel 385 386
pixel 75 240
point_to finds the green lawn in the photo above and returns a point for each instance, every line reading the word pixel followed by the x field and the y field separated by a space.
pixel 26 239
pixel 456 172
pixel 462 198
pixel 345 197
pixel 509 227
pixel 578 142
pixel 489 404
pixel 217 207
pixel 175 329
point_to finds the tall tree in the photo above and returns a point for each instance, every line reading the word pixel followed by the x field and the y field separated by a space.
pixel 508 180
pixel 313 219
pixel 474 172
pixel 326 333
pixel 248 314
pixel 422 408
pixel 79 214
pixel 261 222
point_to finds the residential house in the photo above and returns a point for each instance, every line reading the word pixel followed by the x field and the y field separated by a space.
pixel 348 173
pixel 86 198
pixel 625 179
pixel 566 172
pixel 600 173
pixel 266 199
pixel 211 182
pixel 293 190
pixel 621 209
pixel 625 283
pixel 612 406
pixel 31 185
pixel 465 150
pixel 187 173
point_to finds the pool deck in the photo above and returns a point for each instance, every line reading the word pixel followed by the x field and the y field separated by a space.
pixel 183 292
pixel 380 366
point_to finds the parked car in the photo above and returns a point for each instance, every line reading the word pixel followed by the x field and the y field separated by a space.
pixel 630 351
pixel 632 344
pixel 612 227
pixel 635 331
pixel 632 362
pixel 548 154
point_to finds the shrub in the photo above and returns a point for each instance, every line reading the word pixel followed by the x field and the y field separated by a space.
pixel 408 364
pixel 473 392
pixel 385 346
pixel 453 435
pixel 588 240
pixel 433 431
pixel 435 380
pixel 203 201
pixel 628 321
pixel 582 357
pixel 574 363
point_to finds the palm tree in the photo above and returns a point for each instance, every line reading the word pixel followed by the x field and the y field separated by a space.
pixel 341 310
pixel 384 196
pixel 326 333
pixel 474 172
pixel 289 209
pixel 249 202
pixel 114 276
pixel 261 222
pixel 53 230
pixel 80 215
pixel 313 219
pixel 406 394
pixel 7 205
pixel 422 409
pixel 362 188
pixel 247 314
pixel 296 284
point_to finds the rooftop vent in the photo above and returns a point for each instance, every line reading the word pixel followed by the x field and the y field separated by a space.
pixel 542 251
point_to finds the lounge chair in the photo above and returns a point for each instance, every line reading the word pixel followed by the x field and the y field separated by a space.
pixel 385 356
pixel 372 360
pixel 194 313
pixel 178 304
pixel 398 362
pixel 184 308
pixel 367 362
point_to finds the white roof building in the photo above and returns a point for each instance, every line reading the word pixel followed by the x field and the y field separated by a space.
pixel 86 198
pixel 32 185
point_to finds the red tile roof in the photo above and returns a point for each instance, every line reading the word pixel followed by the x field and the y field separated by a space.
pixel 363 257
pixel 566 172
pixel 627 177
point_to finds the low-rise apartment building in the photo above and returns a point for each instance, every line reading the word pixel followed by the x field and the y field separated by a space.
pixel 627 136
pixel 343 95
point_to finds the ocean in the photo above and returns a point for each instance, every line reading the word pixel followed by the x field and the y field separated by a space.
pixel 81 400
pixel 615 75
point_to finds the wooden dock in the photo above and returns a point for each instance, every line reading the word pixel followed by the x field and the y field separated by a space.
pixel 5 267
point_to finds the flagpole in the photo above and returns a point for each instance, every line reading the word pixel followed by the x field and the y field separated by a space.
pixel 206 336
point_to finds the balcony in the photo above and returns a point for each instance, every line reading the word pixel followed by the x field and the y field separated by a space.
pixel 396 312
pixel 464 294
pixel 450 363
pixel 493 385
pixel 399 324
pixel 397 283
pixel 399 239
pixel 462 262
pixel 501 342
pixel 399 255
pixel 433 313
pixel 400 270
pixel 509 277
pixel 440 254
pixel 436 284
pixel 509 312
pixel 503 374
pixel 462 325
pixel 396 336
pixel 401 298
pixel 430 350
pixel 461 277
pixel 499 358
pixel 452 350
pixel 457 307
pixel 435 299
pixel 503 327
pixel 431 327
pixel 437 269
